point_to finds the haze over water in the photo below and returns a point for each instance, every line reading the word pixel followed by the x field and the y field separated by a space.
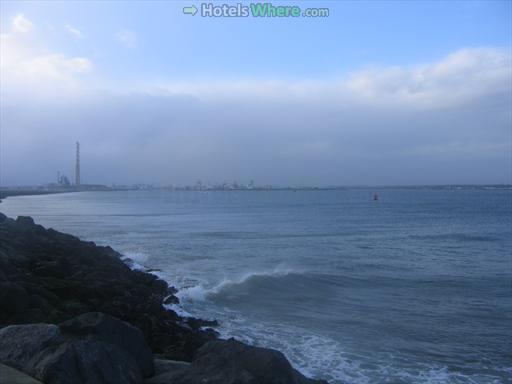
pixel 414 287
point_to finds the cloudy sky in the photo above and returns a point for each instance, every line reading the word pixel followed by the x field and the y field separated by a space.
pixel 376 93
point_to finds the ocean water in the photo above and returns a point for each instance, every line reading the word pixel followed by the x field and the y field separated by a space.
pixel 413 288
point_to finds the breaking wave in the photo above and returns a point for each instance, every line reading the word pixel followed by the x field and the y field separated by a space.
pixel 200 292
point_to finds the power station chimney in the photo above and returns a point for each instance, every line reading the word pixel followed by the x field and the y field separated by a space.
pixel 77 166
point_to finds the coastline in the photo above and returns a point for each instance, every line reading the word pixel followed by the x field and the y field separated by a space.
pixel 52 278
pixel 5 193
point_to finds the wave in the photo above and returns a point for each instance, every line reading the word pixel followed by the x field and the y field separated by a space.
pixel 138 257
pixel 321 356
pixel 135 261
pixel 134 265
pixel 201 293
pixel 456 237
pixel 314 354
pixel 178 309
pixel 246 235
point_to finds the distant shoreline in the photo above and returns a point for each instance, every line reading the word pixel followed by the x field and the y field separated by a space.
pixel 26 192
pixel 4 193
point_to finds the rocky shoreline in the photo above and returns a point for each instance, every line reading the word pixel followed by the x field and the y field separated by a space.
pixel 74 312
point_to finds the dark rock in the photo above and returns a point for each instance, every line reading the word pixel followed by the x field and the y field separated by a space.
pixel 263 365
pixel 164 369
pixel 113 331
pixel 92 348
pixel 9 375
pixel 49 277
pixel 231 362
pixel 25 221
pixel 87 361
pixel 196 323
pixel 14 299
pixel 20 343
pixel 171 299
pixel 172 290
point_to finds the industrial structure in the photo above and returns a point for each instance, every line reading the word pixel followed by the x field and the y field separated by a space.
pixel 77 166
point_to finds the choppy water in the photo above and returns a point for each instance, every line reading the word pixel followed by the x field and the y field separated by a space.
pixel 413 288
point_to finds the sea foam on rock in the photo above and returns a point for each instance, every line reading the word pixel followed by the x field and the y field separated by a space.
pixel 106 313
pixel 49 277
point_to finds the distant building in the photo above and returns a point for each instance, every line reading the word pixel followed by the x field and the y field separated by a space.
pixel 64 181
pixel 77 166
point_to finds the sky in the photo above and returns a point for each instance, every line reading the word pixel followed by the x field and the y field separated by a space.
pixel 377 93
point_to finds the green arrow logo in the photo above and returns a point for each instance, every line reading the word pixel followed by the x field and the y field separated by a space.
pixel 190 10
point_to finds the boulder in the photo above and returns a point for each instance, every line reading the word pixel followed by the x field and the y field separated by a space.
pixel 10 375
pixel 92 348
pixel 165 369
pixel 84 361
pixel 113 331
pixel 49 277
pixel 20 343
pixel 232 362
pixel 14 299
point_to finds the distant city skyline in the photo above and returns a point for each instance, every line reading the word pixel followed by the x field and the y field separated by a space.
pixel 377 93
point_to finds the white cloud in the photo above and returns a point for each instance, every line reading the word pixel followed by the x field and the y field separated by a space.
pixel 127 38
pixel 55 66
pixel 21 24
pixel 75 32
pixel 27 64
pixel 458 77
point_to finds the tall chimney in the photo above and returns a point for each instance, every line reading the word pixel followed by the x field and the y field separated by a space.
pixel 77 166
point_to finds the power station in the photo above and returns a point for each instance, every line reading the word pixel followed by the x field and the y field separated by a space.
pixel 77 166
pixel 65 184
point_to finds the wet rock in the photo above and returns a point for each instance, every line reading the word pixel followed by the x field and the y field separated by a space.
pixel 113 331
pixel 165 369
pixel 49 277
pixel 20 343
pixel 14 299
pixel 231 362
pixel 92 348
pixel 171 299
pixel 10 375
pixel 85 361
pixel 196 323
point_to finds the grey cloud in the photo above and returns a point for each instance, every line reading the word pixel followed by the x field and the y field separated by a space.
pixel 180 139
pixel 445 122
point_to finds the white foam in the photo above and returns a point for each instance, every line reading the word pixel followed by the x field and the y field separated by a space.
pixel 133 264
pixel 322 357
pixel 195 293
pixel 201 293
pixel 139 257
pixel 135 261
pixel 132 260
pixel 178 309
pixel 313 355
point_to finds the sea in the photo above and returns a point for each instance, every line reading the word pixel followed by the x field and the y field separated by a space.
pixel 415 287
